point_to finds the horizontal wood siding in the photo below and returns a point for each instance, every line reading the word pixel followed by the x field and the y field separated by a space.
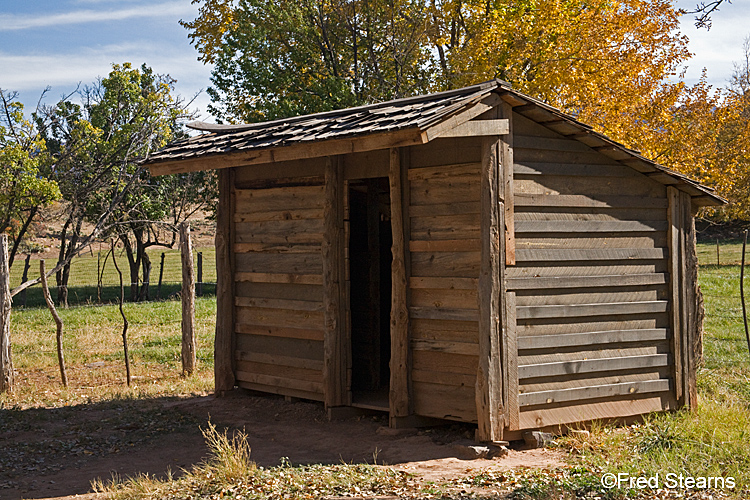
pixel 444 259
pixel 279 293
pixel 591 282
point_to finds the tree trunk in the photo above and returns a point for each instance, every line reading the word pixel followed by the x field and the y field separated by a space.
pixel 58 323
pixel 146 266
pixel 134 265
pixel 124 318
pixel 188 301
pixel 6 362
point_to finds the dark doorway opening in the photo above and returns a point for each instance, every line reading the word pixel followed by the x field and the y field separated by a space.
pixel 370 240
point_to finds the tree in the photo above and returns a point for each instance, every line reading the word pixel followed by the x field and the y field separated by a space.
pixel 123 118
pixel 24 190
pixel 279 59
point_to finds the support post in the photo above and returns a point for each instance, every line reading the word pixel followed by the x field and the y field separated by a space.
pixel 188 301
pixel 58 323
pixel 199 284
pixel 674 245
pixel 161 276
pixel 6 362
pixel 693 302
pixel 224 339
pixel 489 382
pixel 334 362
pixel 399 366
pixel 26 266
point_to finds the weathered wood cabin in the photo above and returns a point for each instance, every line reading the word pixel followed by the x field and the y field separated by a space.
pixel 472 255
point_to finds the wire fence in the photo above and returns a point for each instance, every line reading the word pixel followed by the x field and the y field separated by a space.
pixel 94 280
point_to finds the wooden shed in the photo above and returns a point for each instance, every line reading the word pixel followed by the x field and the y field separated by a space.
pixel 472 255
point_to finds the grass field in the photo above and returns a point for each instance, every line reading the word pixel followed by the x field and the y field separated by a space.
pixel 82 287
pixel 713 440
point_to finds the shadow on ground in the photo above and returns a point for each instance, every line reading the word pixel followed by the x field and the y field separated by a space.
pixel 56 452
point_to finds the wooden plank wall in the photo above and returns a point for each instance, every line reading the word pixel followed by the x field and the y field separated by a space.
pixel 444 255
pixel 591 282
pixel 279 279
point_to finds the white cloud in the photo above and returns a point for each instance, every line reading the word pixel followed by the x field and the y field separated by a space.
pixel 14 22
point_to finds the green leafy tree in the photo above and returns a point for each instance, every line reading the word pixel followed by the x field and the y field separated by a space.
pixel 24 160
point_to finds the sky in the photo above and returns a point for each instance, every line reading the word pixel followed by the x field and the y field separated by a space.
pixel 63 43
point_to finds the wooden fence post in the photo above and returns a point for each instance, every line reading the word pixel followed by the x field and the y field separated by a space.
pixel 6 362
pixel 161 275
pixel 25 276
pixel 188 301
pixel 199 284
pixel 58 322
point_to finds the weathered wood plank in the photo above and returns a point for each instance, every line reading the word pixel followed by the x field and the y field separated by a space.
pixel 444 313
pixel 557 282
pixel 445 227
pixel 279 198
pixel 302 279
pixel 450 347
pixel 462 245
pixel 283 332
pixel 489 386
pixel 280 263
pixel 284 391
pixel 594 392
pixel 579 310
pixel 550 143
pixel 280 370
pixel 604 268
pixel 399 397
pixel 457 208
pixel 287 318
pixel 286 214
pixel 275 248
pixel 535 418
pixel 312 167
pixel 449 331
pixel 280 382
pixel 439 191
pixel 280 360
pixel 284 231
pixel 444 283
pixel 576 169
pixel 592 366
pixel 590 296
pixel 559 326
pixel 591 186
pixel 445 264
pixel 442 378
pixel 225 286
pixel 285 346
pixel 591 214
pixel 451 298
pixel 548 226
pixel 571 254
pixel 288 291
pixel 295 305
pixel 588 201
pixel 447 151
pixel 335 358
pixel 366 165
pixel 446 402
pixel 441 361
pixel 673 239
pixel 592 338
pixel 477 128
pixel 593 379
pixel 584 241
pixel 543 356
pixel 523 154
pixel 510 362
pixel 505 157
pixel 444 171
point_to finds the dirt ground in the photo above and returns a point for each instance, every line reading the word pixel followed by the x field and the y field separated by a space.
pixel 48 453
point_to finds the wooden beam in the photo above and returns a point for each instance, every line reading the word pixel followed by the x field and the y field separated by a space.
pixel 561 369
pixel 505 156
pixel 692 304
pixel 399 325
pixel 595 392
pixel 334 362
pixel 488 391
pixel 510 363
pixel 673 244
pixel 224 339
pixel 384 140
pixel 479 128
pixel 437 130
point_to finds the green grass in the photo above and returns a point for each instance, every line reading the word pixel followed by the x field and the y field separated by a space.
pixel 82 287
pixel 94 357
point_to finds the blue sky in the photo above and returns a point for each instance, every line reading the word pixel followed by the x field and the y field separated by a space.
pixel 63 42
